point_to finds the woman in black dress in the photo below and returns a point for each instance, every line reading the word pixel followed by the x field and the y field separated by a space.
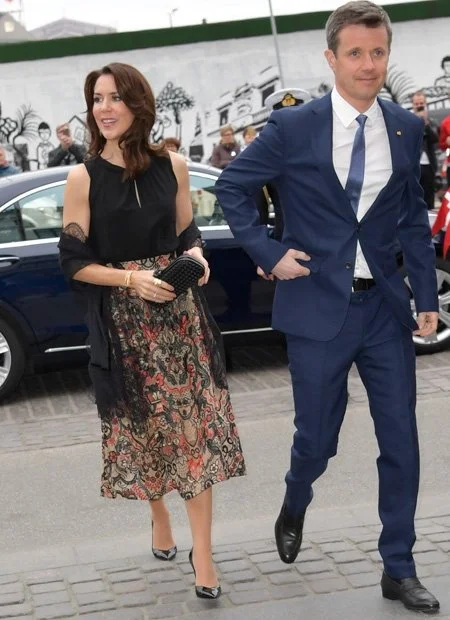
pixel 159 380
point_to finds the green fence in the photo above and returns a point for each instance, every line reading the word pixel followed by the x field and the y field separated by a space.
pixel 100 44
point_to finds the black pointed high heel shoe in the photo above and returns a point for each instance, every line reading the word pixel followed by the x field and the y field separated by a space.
pixel 163 554
pixel 204 591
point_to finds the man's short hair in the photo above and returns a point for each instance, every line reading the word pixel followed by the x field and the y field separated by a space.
pixel 357 12
pixel 419 93
pixel 444 60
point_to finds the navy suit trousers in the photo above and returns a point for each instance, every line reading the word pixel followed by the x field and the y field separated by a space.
pixel 383 351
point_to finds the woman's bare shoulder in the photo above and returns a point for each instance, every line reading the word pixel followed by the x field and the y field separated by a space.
pixel 78 181
pixel 178 162
pixel 79 174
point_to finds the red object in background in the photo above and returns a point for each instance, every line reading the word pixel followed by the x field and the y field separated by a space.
pixel 443 220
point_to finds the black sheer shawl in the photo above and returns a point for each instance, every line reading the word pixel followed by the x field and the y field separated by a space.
pixel 75 253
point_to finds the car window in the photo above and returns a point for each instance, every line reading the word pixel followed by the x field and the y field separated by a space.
pixel 41 213
pixel 206 207
pixel 10 229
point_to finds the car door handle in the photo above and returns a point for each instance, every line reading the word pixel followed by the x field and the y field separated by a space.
pixel 8 261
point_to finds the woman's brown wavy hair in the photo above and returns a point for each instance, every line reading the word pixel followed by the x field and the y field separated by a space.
pixel 137 95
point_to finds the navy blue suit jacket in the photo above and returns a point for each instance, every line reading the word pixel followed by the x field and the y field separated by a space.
pixel 294 152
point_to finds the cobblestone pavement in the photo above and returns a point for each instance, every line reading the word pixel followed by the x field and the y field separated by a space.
pixel 141 588
pixel 56 409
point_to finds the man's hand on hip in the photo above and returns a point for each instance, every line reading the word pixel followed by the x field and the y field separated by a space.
pixel 288 268
pixel 262 274
pixel 427 322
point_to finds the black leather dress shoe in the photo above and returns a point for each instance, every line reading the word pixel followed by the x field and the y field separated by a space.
pixel 288 535
pixel 410 592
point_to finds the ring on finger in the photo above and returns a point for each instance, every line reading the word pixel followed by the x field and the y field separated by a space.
pixel 157 282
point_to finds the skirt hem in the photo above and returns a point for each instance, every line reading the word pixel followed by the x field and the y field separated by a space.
pixel 185 496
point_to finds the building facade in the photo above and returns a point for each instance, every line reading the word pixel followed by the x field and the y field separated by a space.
pixel 63 28
pixel 12 31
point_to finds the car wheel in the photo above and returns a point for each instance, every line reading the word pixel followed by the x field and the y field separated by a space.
pixel 441 339
pixel 12 359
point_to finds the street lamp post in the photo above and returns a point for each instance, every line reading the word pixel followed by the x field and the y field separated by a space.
pixel 170 16
pixel 275 42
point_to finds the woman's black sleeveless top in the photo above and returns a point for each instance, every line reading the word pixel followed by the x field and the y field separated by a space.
pixel 132 219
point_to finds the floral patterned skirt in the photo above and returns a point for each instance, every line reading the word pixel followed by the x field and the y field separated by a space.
pixel 189 440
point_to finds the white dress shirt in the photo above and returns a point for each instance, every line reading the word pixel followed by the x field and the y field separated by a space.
pixel 378 164
pixel 424 159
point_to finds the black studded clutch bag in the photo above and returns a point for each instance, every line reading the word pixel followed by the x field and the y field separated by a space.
pixel 183 273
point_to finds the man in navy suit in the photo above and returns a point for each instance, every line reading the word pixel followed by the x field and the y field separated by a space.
pixel 346 168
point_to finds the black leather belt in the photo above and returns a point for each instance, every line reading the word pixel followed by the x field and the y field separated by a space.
pixel 362 284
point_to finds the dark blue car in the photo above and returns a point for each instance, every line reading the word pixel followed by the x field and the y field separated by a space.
pixel 39 317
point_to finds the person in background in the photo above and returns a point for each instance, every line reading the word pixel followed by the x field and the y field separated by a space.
pixel 226 150
pixel 261 197
pixel 279 100
pixel 172 144
pixel 249 134
pixel 444 142
pixel 286 98
pixel 6 169
pixel 68 152
pixel 428 159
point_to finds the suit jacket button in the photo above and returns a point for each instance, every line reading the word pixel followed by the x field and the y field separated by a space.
pixel 348 265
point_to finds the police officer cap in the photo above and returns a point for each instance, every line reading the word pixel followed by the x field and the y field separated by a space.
pixel 286 97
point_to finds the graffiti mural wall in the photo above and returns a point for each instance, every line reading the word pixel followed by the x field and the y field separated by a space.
pixel 200 87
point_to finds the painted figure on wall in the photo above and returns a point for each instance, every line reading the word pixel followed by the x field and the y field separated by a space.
pixel 78 129
pixel 196 150
pixel 7 127
pixel 27 123
pixel 444 80
pixel 174 99
pixel 161 123
pixel 399 86
pixel 44 146
pixel 17 133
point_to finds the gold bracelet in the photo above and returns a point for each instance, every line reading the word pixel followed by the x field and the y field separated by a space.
pixel 128 277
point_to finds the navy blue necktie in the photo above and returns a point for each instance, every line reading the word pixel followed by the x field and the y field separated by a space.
pixel 355 178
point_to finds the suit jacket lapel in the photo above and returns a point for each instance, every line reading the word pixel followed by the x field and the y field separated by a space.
pixel 395 128
pixel 322 145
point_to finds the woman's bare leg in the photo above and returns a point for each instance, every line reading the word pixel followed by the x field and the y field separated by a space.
pixel 199 511
pixel 162 532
